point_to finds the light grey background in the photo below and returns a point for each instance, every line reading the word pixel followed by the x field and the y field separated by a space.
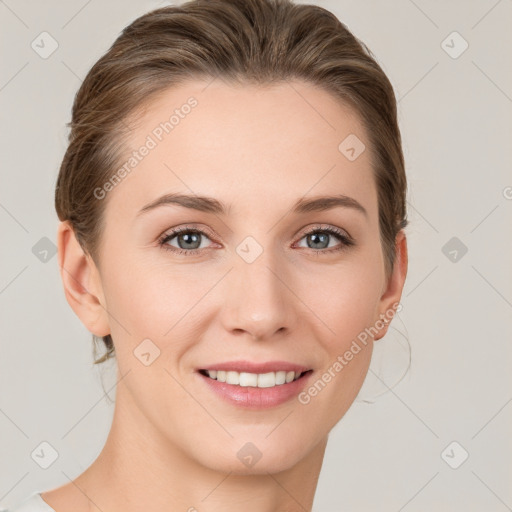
pixel 386 453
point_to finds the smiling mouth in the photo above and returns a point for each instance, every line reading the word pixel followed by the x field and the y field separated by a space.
pixel 257 380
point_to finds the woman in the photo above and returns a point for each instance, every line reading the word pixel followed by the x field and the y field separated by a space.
pixel 232 206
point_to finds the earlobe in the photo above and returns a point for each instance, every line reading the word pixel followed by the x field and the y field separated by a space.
pixel 81 281
pixel 395 284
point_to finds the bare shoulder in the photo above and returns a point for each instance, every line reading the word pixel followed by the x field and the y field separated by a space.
pixel 66 498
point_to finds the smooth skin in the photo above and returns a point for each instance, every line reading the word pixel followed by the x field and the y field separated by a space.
pixel 173 443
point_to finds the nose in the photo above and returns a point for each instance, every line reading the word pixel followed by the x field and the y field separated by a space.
pixel 259 301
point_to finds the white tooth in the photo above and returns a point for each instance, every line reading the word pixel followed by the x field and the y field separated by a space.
pixel 248 379
pixel 232 378
pixel 261 380
pixel 266 380
pixel 280 377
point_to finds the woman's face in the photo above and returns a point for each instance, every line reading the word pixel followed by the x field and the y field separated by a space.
pixel 252 278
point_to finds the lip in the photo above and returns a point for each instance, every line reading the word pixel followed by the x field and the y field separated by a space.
pixel 250 397
pixel 251 367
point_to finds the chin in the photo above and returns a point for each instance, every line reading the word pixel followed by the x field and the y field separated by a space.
pixel 241 456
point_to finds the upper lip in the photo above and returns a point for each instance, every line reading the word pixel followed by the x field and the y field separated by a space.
pixel 251 367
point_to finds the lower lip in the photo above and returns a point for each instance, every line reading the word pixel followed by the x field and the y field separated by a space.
pixel 257 398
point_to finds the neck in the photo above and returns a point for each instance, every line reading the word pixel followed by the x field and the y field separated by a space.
pixel 139 469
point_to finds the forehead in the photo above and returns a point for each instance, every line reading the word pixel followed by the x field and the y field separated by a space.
pixel 242 143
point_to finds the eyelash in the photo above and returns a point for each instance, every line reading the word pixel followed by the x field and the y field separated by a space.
pixel 337 233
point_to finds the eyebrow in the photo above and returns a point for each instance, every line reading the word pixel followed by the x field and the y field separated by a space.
pixel 212 205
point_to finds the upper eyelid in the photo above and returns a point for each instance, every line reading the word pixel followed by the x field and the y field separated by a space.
pixel 176 231
pixel 326 227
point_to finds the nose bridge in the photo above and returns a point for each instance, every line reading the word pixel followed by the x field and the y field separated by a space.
pixel 258 300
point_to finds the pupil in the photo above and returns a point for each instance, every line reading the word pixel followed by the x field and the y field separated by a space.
pixel 188 237
pixel 318 236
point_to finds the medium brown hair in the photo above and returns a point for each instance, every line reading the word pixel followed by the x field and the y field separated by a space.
pixel 242 41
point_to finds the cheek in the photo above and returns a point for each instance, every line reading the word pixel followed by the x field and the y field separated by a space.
pixel 347 307
pixel 332 393
pixel 160 301
pixel 157 299
pixel 346 301
pixel 345 298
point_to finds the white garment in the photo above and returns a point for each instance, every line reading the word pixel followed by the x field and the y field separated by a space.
pixel 34 503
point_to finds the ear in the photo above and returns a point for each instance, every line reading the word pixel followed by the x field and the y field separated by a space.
pixel 82 282
pixel 393 290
